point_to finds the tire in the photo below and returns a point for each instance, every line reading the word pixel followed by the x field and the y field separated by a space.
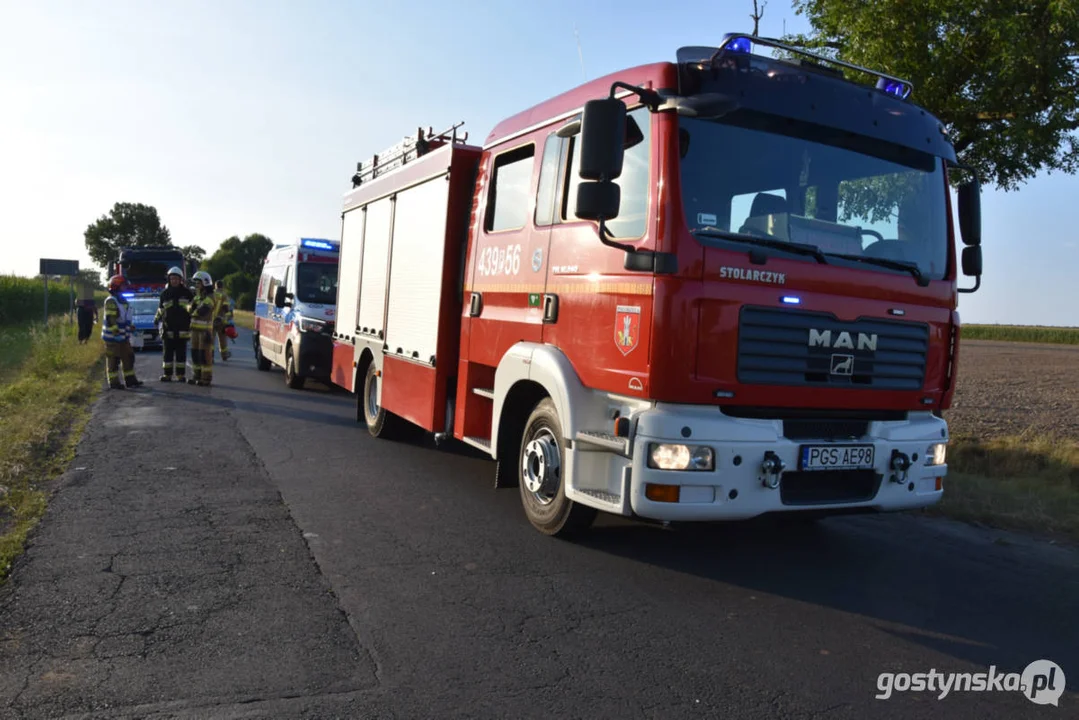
pixel 380 422
pixel 539 468
pixel 292 377
pixel 260 361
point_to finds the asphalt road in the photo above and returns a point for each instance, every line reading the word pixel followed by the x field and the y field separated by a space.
pixel 425 593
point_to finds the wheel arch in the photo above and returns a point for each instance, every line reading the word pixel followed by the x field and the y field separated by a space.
pixel 527 373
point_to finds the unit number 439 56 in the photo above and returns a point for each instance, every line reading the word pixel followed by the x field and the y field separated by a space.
pixel 499 260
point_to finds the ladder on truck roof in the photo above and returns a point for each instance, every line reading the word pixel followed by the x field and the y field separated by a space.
pixel 407 150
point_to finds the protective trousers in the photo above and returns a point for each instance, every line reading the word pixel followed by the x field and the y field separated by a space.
pixel 119 354
pixel 174 355
pixel 202 356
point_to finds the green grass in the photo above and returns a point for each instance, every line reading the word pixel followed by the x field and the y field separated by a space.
pixel 244 319
pixel 1027 482
pixel 22 299
pixel 47 381
pixel 1022 333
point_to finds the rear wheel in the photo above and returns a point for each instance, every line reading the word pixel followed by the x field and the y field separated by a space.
pixel 260 360
pixel 292 378
pixel 540 467
pixel 381 423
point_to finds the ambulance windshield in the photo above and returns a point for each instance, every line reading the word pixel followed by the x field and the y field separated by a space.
pixel 848 196
pixel 316 283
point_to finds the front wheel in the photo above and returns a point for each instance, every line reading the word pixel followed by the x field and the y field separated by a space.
pixel 540 466
pixel 292 378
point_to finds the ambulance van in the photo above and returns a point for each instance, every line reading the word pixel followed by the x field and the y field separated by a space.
pixel 295 310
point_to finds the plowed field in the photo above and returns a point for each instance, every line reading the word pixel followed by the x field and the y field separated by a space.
pixel 1008 388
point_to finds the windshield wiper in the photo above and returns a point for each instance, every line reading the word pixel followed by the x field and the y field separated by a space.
pixel 800 248
pixel 913 269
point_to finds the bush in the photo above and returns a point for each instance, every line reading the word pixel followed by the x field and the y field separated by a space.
pixel 246 301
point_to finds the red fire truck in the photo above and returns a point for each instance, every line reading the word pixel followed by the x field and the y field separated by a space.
pixel 697 290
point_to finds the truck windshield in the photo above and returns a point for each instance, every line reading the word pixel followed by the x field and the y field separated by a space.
pixel 851 197
pixel 317 283
pixel 148 270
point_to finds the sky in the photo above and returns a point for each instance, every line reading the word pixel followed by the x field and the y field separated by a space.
pixel 240 116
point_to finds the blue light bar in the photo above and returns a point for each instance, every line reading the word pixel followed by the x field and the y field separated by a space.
pixel 739 44
pixel 318 244
pixel 128 294
pixel 791 300
pixel 894 87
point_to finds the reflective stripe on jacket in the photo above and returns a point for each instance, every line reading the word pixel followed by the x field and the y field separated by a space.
pixel 116 327
pixel 202 312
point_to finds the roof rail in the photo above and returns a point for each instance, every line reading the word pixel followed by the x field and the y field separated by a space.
pixel 407 150
pixel 888 83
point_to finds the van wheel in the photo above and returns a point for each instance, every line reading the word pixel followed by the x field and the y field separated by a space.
pixel 260 361
pixel 381 423
pixel 292 378
pixel 540 466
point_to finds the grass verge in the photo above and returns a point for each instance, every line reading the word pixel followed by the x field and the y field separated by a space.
pixel 47 381
pixel 244 318
pixel 1022 333
pixel 1026 482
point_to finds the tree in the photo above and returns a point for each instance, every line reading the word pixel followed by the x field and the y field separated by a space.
pixel 193 252
pixel 1002 75
pixel 238 263
pixel 126 225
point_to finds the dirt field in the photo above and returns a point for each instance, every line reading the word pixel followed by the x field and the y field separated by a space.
pixel 1006 388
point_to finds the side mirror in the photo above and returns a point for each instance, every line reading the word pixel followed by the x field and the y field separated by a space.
pixel 970 214
pixel 602 149
pixel 280 297
pixel 603 132
pixel 972 261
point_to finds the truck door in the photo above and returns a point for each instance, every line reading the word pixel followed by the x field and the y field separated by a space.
pixel 509 257
pixel 599 313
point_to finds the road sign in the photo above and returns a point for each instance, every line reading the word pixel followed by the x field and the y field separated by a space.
pixel 60 267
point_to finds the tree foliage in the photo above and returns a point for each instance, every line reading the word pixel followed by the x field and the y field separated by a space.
pixel 238 264
pixel 126 225
pixel 193 252
pixel 1002 75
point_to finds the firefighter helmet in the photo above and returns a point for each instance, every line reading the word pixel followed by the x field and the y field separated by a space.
pixel 204 277
pixel 116 282
pixel 175 271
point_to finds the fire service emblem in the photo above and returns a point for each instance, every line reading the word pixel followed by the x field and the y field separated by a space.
pixel 627 328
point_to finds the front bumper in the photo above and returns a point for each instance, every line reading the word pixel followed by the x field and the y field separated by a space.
pixel 739 488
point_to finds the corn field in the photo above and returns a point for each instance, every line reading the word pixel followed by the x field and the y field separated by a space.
pixel 22 299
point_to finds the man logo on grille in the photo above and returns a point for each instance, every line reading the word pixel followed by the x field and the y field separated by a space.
pixel 842 364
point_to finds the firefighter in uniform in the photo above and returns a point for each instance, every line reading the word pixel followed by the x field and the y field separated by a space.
pixel 116 329
pixel 202 310
pixel 175 322
pixel 222 318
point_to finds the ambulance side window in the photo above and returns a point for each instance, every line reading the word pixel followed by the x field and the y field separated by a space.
pixel 507 194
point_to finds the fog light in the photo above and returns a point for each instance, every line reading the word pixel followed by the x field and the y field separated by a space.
pixel 662 493
pixel 936 454
pixel 664 456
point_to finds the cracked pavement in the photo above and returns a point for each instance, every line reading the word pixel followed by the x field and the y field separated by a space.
pixel 295 567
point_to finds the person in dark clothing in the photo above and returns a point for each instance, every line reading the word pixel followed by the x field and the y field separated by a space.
pixel 86 311
pixel 175 320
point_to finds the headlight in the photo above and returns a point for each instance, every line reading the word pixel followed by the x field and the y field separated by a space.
pixel 936 454
pixel 309 325
pixel 664 456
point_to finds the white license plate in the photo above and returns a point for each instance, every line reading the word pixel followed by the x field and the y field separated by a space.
pixel 136 340
pixel 836 457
